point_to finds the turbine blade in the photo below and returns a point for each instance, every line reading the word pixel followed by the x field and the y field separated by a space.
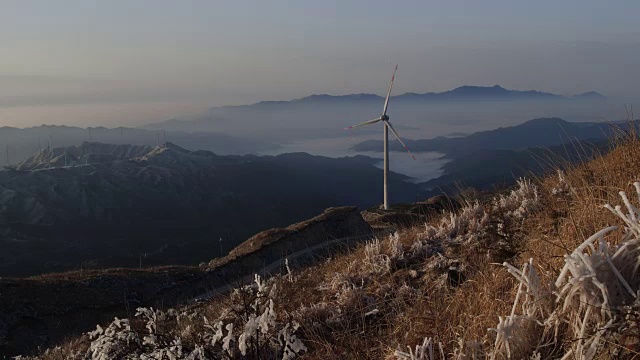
pixel 364 123
pixel 388 124
pixel 386 101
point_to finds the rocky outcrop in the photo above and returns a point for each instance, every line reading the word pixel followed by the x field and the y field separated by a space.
pixel 403 215
pixel 267 247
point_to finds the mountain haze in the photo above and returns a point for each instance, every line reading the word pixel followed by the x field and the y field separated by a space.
pixel 467 108
pixel 462 93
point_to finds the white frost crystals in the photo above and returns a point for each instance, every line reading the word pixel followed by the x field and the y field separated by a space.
pixel 597 282
pixel 468 227
pixel 251 329
pixel 424 351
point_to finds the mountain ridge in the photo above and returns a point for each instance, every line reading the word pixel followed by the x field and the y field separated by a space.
pixel 464 92
pixel 532 133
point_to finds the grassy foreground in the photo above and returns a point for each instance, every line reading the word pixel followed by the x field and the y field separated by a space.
pixel 510 277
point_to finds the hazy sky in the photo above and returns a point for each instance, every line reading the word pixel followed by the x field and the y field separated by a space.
pixel 117 62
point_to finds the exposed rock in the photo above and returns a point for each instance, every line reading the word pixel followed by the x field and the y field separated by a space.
pixel 269 246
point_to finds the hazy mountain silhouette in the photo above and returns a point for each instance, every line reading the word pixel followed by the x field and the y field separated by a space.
pixel 591 95
pixel 324 116
pixel 463 93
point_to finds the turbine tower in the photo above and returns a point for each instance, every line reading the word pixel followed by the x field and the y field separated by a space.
pixel 387 126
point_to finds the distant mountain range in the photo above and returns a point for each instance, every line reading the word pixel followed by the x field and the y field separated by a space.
pixel 462 93
pixel 103 205
pixel 497 157
pixel 541 132
pixel 324 116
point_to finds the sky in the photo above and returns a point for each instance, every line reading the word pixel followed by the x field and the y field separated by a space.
pixel 131 62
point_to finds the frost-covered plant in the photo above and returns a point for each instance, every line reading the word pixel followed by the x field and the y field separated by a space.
pixel 381 256
pixel 422 351
pixel 599 278
pixel 259 321
pixel 561 186
pixel 631 218
pixel 471 222
pixel 319 315
pixel 463 227
pixel 112 342
pixel 476 225
pixel 511 328
pixel 258 332
pixel 529 286
pixel 469 350
pixel 289 342
pixel 597 285
pixel 151 318
pixel 214 332
pixel 396 250
pixel 120 341
pixel 347 290
pixel 506 333
pixel 289 272
pixel 375 260
pixel 520 201
pixel 250 328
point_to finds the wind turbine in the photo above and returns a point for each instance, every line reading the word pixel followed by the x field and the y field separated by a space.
pixel 387 126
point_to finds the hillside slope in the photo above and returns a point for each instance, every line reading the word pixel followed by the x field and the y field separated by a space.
pixel 42 310
pixel 438 286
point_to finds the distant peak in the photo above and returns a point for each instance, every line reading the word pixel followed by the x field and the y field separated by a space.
pixel 324 97
pixel 546 120
pixel 591 94
pixel 479 90
pixel 174 147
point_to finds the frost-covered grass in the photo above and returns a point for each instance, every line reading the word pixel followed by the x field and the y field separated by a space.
pixel 534 273
pixel 324 309
pixel 250 328
pixel 594 290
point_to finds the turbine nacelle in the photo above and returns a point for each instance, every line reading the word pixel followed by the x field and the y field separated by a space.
pixel 385 118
